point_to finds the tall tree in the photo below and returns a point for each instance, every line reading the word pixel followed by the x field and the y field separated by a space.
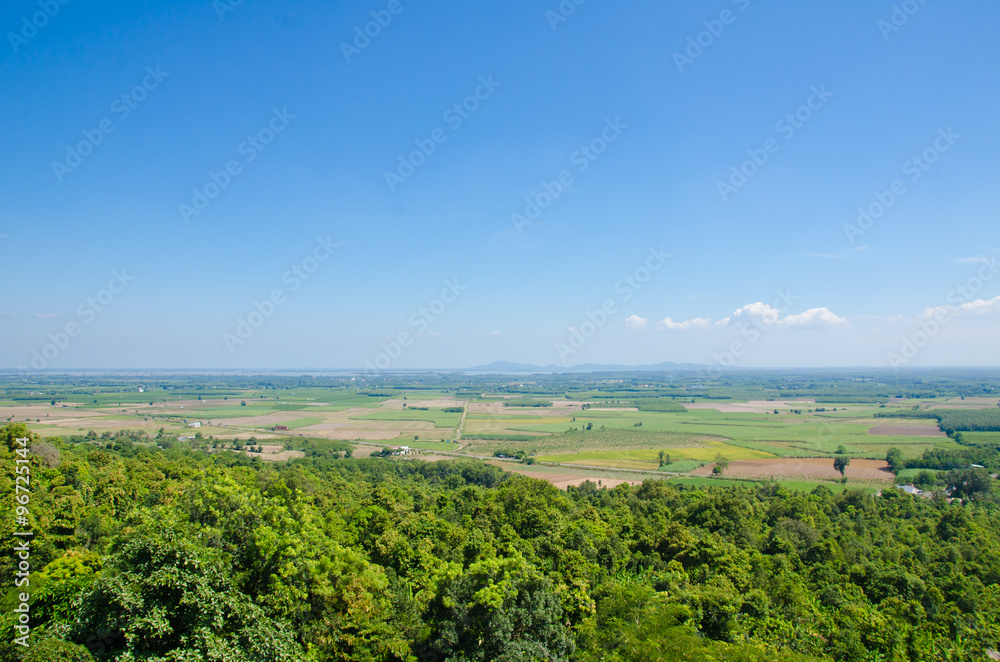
pixel 840 464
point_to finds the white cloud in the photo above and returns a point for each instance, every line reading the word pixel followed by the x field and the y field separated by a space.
pixel 977 307
pixel 495 333
pixel 667 324
pixel 758 314
pixel 762 315
pixel 635 322
pixel 978 259
pixel 815 317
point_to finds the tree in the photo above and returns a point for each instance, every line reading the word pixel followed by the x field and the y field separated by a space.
pixel 55 650
pixel 168 596
pixel 662 453
pixel 499 609
pixel 894 458
pixel 243 403
pixel 721 464
pixel 968 483
pixel 11 433
pixel 840 464
pixel 924 480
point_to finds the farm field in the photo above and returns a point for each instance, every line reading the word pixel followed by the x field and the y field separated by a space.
pixel 758 444
pixel 562 477
pixel 917 429
pixel 862 470
pixel 336 416
pixel 601 426
pixel 438 417
pixel 648 460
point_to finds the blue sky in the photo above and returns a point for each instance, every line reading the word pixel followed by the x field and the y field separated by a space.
pixel 440 268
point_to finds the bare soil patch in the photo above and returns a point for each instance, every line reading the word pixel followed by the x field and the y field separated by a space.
pixel 19 413
pixel 563 480
pixel 391 425
pixel 111 424
pixel 566 404
pixel 485 407
pixel 276 454
pixel 812 467
pixel 349 435
pixel 498 409
pixel 364 451
pixel 267 420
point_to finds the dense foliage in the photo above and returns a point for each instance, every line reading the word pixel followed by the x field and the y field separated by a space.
pixel 526 402
pixel 169 555
pixel 986 454
pixel 954 420
pixel 658 404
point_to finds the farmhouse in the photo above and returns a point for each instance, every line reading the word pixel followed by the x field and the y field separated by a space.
pixel 280 428
pixel 911 489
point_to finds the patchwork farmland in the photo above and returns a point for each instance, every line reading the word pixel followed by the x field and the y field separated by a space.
pixel 573 437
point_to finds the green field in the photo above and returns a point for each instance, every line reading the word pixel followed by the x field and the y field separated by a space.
pixel 431 445
pixel 303 422
pixel 649 459
pixel 439 418
pixel 681 466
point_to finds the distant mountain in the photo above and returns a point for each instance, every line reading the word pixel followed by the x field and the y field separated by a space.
pixel 509 366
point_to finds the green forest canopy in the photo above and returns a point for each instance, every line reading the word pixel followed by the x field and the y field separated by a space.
pixel 149 554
